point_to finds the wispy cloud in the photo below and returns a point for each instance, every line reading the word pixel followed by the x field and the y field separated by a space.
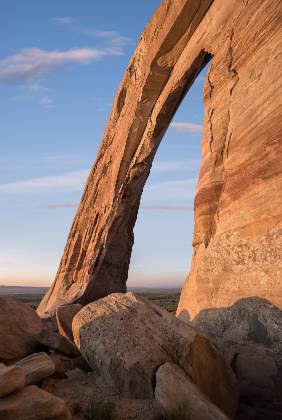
pixel 46 101
pixel 167 207
pixel 186 127
pixel 55 206
pixel 110 37
pixel 164 191
pixel 161 207
pixel 62 20
pixel 32 63
pixel 175 166
pixel 68 181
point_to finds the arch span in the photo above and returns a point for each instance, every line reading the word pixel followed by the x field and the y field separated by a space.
pixel 177 43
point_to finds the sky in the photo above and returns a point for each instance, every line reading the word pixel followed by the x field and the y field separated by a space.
pixel 60 65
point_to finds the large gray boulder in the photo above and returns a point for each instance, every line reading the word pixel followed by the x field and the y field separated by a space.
pixel 249 336
pixel 127 338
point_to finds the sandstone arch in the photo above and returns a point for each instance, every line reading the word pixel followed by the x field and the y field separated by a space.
pixel 238 219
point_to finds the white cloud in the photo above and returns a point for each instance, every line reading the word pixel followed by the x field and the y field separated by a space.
pixel 46 101
pixel 55 206
pixel 71 181
pixel 32 63
pixel 164 191
pixel 186 127
pixel 111 37
pixel 167 207
pixel 62 20
pixel 175 166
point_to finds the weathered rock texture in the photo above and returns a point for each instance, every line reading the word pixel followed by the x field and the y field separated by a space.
pixel 64 317
pixel 19 328
pixel 36 367
pixel 175 391
pixel 126 339
pixel 12 379
pixel 249 336
pixel 237 237
pixel 32 403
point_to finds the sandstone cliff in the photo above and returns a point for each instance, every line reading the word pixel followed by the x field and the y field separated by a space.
pixel 238 217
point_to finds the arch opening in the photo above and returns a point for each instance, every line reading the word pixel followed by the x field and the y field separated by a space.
pixel 163 232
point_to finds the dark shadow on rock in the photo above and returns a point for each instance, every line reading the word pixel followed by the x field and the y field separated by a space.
pixel 249 336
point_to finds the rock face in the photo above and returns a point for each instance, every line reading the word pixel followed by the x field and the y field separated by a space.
pixel 19 327
pixel 32 403
pixel 64 317
pixel 57 342
pixel 238 222
pixel 127 338
pixel 249 336
pixel 36 367
pixel 174 390
pixel 12 379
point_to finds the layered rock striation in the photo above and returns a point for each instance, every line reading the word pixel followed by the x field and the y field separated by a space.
pixel 238 221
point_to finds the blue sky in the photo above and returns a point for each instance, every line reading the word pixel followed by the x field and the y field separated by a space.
pixel 60 64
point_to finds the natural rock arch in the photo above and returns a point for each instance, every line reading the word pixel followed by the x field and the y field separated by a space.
pixel 238 220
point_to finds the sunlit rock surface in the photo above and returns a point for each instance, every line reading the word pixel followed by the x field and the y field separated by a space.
pixel 237 236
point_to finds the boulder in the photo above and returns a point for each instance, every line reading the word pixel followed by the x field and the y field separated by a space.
pixel 56 341
pixel 19 326
pixel 127 338
pixel 175 391
pixel 12 379
pixel 32 403
pixel 64 363
pixel 37 367
pixel 84 395
pixel 64 316
pixel 249 336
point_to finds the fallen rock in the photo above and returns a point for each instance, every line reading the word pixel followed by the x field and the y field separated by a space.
pixel 32 403
pixel 64 363
pixel 12 379
pixel 55 341
pixel 127 338
pixel 256 371
pixel 64 316
pixel 175 391
pixel 19 326
pixel 249 336
pixel 37 367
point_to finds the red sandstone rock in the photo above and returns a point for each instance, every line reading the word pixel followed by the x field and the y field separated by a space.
pixel 32 403
pixel 64 317
pixel 36 367
pixel 19 326
pixel 175 391
pixel 12 379
pixel 238 222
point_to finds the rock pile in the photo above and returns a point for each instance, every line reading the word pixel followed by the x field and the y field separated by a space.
pixel 30 353
pixel 144 361
pixel 138 347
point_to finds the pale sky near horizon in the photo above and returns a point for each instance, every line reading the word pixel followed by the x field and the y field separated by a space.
pixel 60 65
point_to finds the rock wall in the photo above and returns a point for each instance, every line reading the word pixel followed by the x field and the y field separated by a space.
pixel 238 201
